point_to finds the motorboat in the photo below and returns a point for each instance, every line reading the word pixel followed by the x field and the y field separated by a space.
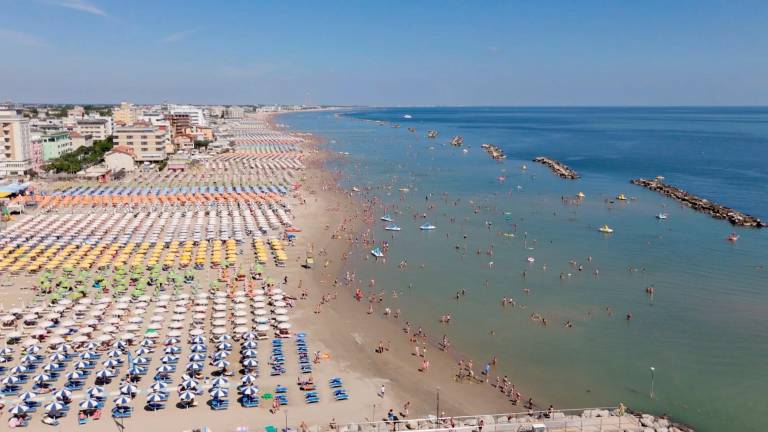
pixel 605 229
pixel 580 195
pixel 733 238
pixel 392 227
pixel 355 189
pixel 531 259
pixel 661 216
pixel 621 197
pixel 377 252
pixel 387 218
pixel 407 116
pixel 427 227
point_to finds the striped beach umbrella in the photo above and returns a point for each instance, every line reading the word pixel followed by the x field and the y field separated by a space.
pixel 248 379
pixel 95 392
pixel 55 407
pixel 172 350
pixel 220 382
pixel 74 375
pixel 250 391
pixel 10 380
pixel 18 409
pixel 128 389
pixel 27 396
pixel 164 369
pixel 221 364
pixel 196 357
pixel 168 359
pixel 122 401
pixel 89 404
pixel 187 396
pixel 155 397
pixel 105 373
pixel 218 393
pixel 62 394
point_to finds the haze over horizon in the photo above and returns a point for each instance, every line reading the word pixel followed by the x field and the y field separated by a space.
pixel 387 54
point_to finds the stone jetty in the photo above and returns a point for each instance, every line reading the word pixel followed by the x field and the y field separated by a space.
pixel 717 211
pixel 557 167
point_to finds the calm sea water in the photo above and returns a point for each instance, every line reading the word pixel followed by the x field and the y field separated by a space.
pixel 705 331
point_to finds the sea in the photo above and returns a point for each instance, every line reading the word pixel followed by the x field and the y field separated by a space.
pixel 696 349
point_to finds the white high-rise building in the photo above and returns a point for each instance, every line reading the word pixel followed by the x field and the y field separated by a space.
pixel 195 114
pixel 15 139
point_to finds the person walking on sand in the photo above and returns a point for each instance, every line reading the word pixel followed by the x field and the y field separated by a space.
pixel 382 389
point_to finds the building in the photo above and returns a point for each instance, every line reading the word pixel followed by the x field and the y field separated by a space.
pixel 199 133
pixel 147 142
pixel 16 154
pixel 216 111
pixel 125 114
pixel 179 123
pixel 195 114
pixel 76 112
pixel 98 128
pixel 56 144
pixel 120 158
pixel 36 152
pixel 80 140
pixel 235 112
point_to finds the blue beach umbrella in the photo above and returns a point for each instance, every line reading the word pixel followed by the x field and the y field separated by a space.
pixel 220 382
pixel 95 392
pixel 18 409
pixel 128 389
pixel 250 391
pixel 122 401
pixel 158 386
pixel 155 397
pixel 55 407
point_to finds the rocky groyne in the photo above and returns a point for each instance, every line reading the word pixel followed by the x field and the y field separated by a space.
pixel 717 211
pixel 557 167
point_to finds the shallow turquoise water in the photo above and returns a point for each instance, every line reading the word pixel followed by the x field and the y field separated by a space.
pixel 706 329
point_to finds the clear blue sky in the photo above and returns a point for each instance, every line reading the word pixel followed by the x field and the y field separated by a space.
pixel 672 52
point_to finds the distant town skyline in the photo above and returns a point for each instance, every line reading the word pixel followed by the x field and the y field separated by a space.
pixel 395 53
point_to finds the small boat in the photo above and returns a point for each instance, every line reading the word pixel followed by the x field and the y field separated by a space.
pixel 464 150
pixel 392 227
pixel 407 116
pixel 396 126
pixel 427 227
pixel 506 234
pixel 580 195
pixel 355 189
pixel 605 229
pixel 661 216
pixel 377 252
pixel 404 190
pixel 387 218
pixel 524 167
pixel 621 197
pixel 733 238
pixel 432 134
pixel 531 259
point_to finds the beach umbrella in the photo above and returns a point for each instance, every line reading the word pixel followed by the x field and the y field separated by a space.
pixel 189 383
pixel 266 396
pixel 172 350
pixel 62 394
pixel 249 353
pixel 110 363
pixel 250 344
pixel 81 365
pixel 248 379
pixel 88 355
pixel 75 375
pixel 187 396
pixel 28 358
pixel 221 364
pixel 140 361
pixel 142 351
pixel 171 341
pixel 27 396
pixel 250 363
pixel 249 335
pixel 43 377
pixel 114 353
pixel 128 389
pixel 168 359
pixel 136 370
pixel 89 404
pixel 218 393
pixel 196 332
pixel 197 340
pixel 196 357
pixel 55 407
pixel 18 409
pixel 104 373
pixel 155 397
pixel 226 346
pixel 165 369
pixel 250 391
pixel 218 355
pixel 122 401
pixel 198 348
pixel 19 369
pixel 95 392
pixel 158 386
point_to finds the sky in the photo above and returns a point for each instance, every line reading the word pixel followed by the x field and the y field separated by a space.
pixel 387 52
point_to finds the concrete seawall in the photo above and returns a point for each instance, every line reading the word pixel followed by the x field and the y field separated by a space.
pixel 717 211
